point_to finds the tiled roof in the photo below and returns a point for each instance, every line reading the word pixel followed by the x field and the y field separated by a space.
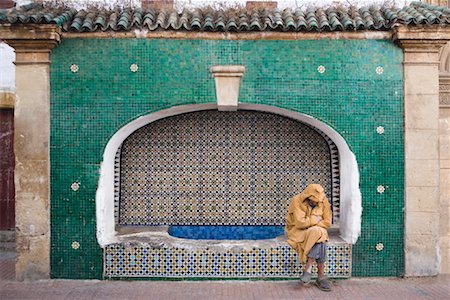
pixel 288 20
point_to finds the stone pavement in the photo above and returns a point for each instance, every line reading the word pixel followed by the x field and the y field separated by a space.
pixel 355 288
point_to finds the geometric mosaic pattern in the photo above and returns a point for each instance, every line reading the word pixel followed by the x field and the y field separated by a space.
pixel 140 260
pixel 221 168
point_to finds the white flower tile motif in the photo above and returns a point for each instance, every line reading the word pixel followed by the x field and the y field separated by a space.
pixel 134 68
pixel 75 186
pixel 380 129
pixel 74 68
pixel 379 70
pixel 75 245
pixel 321 69
pixel 379 247
pixel 380 189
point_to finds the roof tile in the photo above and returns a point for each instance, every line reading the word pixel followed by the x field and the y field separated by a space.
pixel 311 19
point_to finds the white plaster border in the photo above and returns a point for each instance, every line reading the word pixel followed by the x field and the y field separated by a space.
pixel 350 197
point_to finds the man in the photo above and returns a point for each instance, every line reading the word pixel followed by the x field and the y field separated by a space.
pixel 307 221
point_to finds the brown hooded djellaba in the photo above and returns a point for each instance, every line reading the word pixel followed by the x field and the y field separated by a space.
pixel 302 228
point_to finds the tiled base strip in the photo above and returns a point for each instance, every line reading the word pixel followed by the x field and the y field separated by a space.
pixel 140 261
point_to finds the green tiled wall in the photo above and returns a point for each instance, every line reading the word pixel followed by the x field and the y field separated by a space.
pixel 89 106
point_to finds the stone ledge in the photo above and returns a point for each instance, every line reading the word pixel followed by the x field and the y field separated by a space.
pixel 157 255
pixel 159 237
pixel 7 100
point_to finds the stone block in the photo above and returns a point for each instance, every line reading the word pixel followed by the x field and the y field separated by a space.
pixel 420 112
pixel 445 163
pixel 444 179
pixel 39 73
pixel 32 214
pixel 444 224
pixel 422 199
pixel 444 243
pixel 421 144
pixel 227 79
pixel 444 146
pixel 420 57
pixel 421 223
pixel 422 80
pixel 444 121
pixel 32 126
pixel 32 176
pixel 33 261
pixel 444 114
pixel 421 255
pixel 421 172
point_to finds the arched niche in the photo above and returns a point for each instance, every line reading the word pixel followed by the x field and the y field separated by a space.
pixel 350 197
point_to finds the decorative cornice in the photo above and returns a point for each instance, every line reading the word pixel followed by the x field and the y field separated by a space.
pixel 31 42
pixel 257 35
pixel 30 32
pixel 421 39
pixel 422 45
pixel 430 32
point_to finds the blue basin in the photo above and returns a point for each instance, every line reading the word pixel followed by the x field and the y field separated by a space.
pixel 235 232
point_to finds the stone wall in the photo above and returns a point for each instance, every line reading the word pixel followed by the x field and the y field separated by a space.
pixel 444 227
pixel 444 153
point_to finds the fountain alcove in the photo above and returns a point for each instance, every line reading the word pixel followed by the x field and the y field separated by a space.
pixel 193 192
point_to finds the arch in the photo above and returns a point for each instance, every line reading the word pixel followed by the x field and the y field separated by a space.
pixel 350 196
pixel 444 59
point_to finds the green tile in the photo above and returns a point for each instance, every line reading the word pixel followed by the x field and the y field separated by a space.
pixel 89 106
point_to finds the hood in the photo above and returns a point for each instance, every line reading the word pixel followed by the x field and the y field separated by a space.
pixel 314 192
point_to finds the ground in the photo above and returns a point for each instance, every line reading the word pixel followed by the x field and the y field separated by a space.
pixel 355 288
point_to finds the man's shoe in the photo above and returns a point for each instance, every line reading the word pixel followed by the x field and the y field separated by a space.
pixel 305 278
pixel 323 284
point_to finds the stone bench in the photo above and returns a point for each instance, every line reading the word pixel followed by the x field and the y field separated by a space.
pixel 150 252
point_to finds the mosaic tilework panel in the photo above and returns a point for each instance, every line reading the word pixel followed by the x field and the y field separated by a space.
pixel 136 260
pixel 221 168
pixel 346 93
pixel 117 184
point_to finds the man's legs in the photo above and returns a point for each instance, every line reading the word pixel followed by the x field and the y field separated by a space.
pixel 320 269
pixel 322 281
pixel 306 276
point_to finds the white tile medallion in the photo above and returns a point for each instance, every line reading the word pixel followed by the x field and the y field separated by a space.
pixel 134 68
pixel 380 189
pixel 75 186
pixel 74 68
pixel 380 129
pixel 379 247
pixel 321 69
pixel 379 70
pixel 75 245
